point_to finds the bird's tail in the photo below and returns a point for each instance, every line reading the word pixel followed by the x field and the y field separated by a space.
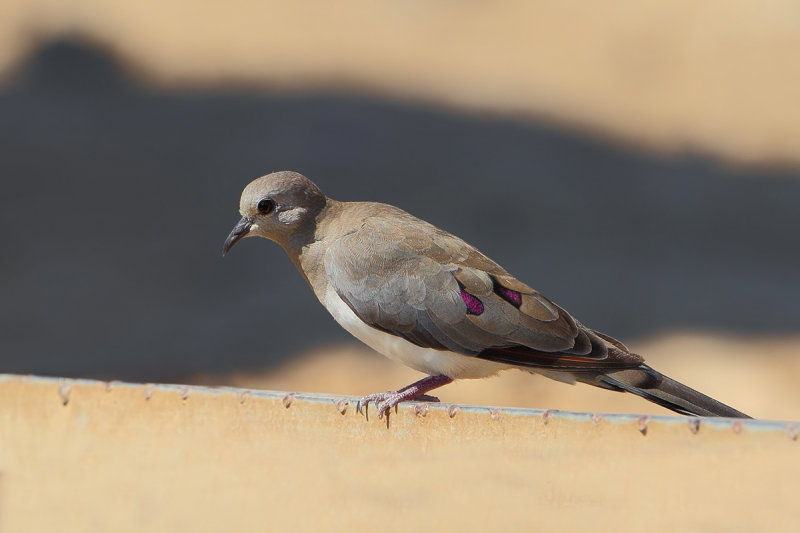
pixel 658 388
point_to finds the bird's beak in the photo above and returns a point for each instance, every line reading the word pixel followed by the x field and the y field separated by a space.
pixel 241 229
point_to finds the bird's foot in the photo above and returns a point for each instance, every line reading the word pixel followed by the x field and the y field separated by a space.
pixel 384 401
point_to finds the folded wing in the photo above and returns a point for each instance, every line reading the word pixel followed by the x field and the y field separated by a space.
pixel 436 291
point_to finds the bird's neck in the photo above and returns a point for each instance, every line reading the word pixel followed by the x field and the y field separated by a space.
pixel 307 246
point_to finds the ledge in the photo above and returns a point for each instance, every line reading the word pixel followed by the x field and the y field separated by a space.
pixel 79 455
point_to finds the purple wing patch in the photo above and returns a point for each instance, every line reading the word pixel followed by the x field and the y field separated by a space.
pixel 511 296
pixel 474 305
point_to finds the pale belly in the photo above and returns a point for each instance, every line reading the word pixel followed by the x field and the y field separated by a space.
pixel 427 360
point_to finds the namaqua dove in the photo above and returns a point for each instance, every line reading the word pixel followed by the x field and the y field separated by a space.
pixel 426 298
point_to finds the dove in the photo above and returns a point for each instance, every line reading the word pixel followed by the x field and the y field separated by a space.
pixel 426 298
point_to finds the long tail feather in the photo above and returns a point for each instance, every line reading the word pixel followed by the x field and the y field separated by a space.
pixel 662 390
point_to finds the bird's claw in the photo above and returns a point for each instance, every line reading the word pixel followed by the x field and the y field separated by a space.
pixel 378 399
pixel 384 401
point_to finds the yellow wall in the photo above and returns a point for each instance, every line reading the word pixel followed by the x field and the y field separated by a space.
pixel 89 456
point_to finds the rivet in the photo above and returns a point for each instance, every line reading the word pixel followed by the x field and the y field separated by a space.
pixel 642 423
pixel 341 406
pixel 546 416
pixel 596 418
pixel 793 430
pixel 452 411
pixel 243 396
pixel 148 391
pixel 185 393
pixel 63 392
pixel 287 400
pixel 694 425
pixel 111 384
pixel 496 414
pixel 737 426
pixel 421 409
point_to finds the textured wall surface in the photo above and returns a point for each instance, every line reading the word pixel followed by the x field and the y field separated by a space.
pixel 92 456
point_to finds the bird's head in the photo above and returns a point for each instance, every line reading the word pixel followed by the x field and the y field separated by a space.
pixel 276 206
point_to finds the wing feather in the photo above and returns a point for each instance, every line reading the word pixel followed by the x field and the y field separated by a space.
pixel 406 277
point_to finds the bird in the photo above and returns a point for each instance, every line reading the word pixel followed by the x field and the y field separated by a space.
pixel 426 298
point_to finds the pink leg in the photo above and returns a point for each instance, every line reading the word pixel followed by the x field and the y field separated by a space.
pixel 416 391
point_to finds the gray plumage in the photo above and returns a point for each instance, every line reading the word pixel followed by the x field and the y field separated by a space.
pixel 421 295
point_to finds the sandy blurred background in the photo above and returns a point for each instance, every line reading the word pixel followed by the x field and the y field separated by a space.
pixel 637 164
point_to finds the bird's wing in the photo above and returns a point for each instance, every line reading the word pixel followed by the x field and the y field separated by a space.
pixel 406 277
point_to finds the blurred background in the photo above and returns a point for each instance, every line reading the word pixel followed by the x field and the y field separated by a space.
pixel 639 165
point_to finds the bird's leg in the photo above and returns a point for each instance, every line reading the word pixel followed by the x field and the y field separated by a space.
pixel 416 391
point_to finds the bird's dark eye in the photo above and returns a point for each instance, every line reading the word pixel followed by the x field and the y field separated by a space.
pixel 266 205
